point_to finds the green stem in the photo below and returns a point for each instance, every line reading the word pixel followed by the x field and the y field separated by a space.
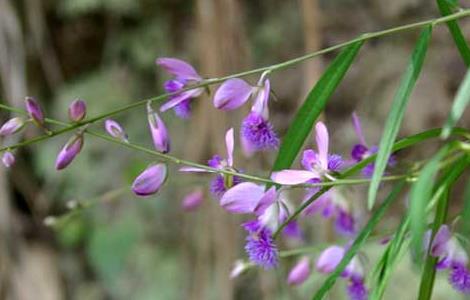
pixel 275 67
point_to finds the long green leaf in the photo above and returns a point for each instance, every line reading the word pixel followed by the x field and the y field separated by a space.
pixel 466 211
pixel 461 101
pixel 392 125
pixel 313 106
pixel 428 274
pixel 420 194
pixel 358 242
pixel 445 7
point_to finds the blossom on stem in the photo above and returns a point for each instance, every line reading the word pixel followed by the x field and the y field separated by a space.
pixel 8 159
pixel 70 150
pixel 220 183
pixel 184 76
pixel 12 126
pixel 260 246
pixel 330 258
pixel 450 256
pixel 300 272
pixel 34 110
pixel 150 180
pixel 115 130
pixel 193 200
pixel 316 164
pixel 361 151
pixel 77 110
pixel 160 137
pixel 256 133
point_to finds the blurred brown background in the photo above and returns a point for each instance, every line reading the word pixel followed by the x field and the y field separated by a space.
pixel 103 51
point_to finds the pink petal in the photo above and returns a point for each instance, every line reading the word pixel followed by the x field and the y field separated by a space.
pixel 232 94
pixel 179 68
pixel 229 144
pixel 261 102
pixel 440 242
pixel 192 200
pixel 193 169
pixel 329 259
pixel 358 128
pixel 177 99
pixel 300 272
pixel 266 200
pixel 150 180
pixel 242 198
pixel 292 177
pixel 321 135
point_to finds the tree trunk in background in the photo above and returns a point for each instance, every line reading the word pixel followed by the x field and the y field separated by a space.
pixel 27 271
pixel 221 50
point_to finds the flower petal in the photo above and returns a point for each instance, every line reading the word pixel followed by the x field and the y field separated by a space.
pixel 300 272
pixel 321 136
pixel 441 241
pixel 177 99
pixel 232 94
pixel 179 68
pixel 158 130
pixel 358 129
pixel 260 105
pixel 192 200
pixel 242 198
pixel 193 169
pixel 329 259
pixel 292 177
pixel 150 180
pixel 266 200
pixel 229 144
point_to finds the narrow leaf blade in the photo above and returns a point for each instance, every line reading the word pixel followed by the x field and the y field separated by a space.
pixel 458 107
pixel 445 7
pixel 313 106
pixel 392 125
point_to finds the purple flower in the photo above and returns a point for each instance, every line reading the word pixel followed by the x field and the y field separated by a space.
pixel 329 259
pixel 12 126
pixel 150 180
pixel 459 279
pixel 300 272
pixel 317 164
pixel 293 230
pixel 8 159
pixel 256 133
pixel 185 76
pixel 34 110
pixel 160 137
pixel 217 185
pixel 69 152
pixel 357 290
pixel 242 198
pixel 361 151
pixel 345 223
pixel 193 200
pixel 115 130
pixel 261 249
pixel 77 110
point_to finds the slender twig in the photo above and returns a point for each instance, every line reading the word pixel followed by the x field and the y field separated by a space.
pixel 275 67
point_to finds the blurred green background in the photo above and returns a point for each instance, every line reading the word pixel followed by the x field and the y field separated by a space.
pixel 103 51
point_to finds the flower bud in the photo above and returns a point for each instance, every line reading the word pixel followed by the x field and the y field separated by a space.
pixel 77 110
pixel 150 180
pixel 12 126
pixel 114 129
pixel 34 110
pixel 192 200
pixel 8 159
pixel 69 152
pixel 300 272
pixel 158 130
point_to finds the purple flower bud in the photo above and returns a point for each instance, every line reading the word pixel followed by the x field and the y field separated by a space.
pixel 329 259
pixel 357 290
pixel 261 249
pixel 160 137
pixel 12 126
pixel 150 180
pixel 34 110
pixel 192 200
pixel 257 134
pixel 114 129
pixel 69 152
pixel 300 272
pixel 77 110
pixel 8 159
pixel 232 94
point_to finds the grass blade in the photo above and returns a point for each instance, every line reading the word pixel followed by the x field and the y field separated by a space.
pixel 420 194
pixel 466 211
pixel 397 112
pixel 358 242
pixel 445 7
pixel 461 101
pixel 429 271
pixel 313 106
